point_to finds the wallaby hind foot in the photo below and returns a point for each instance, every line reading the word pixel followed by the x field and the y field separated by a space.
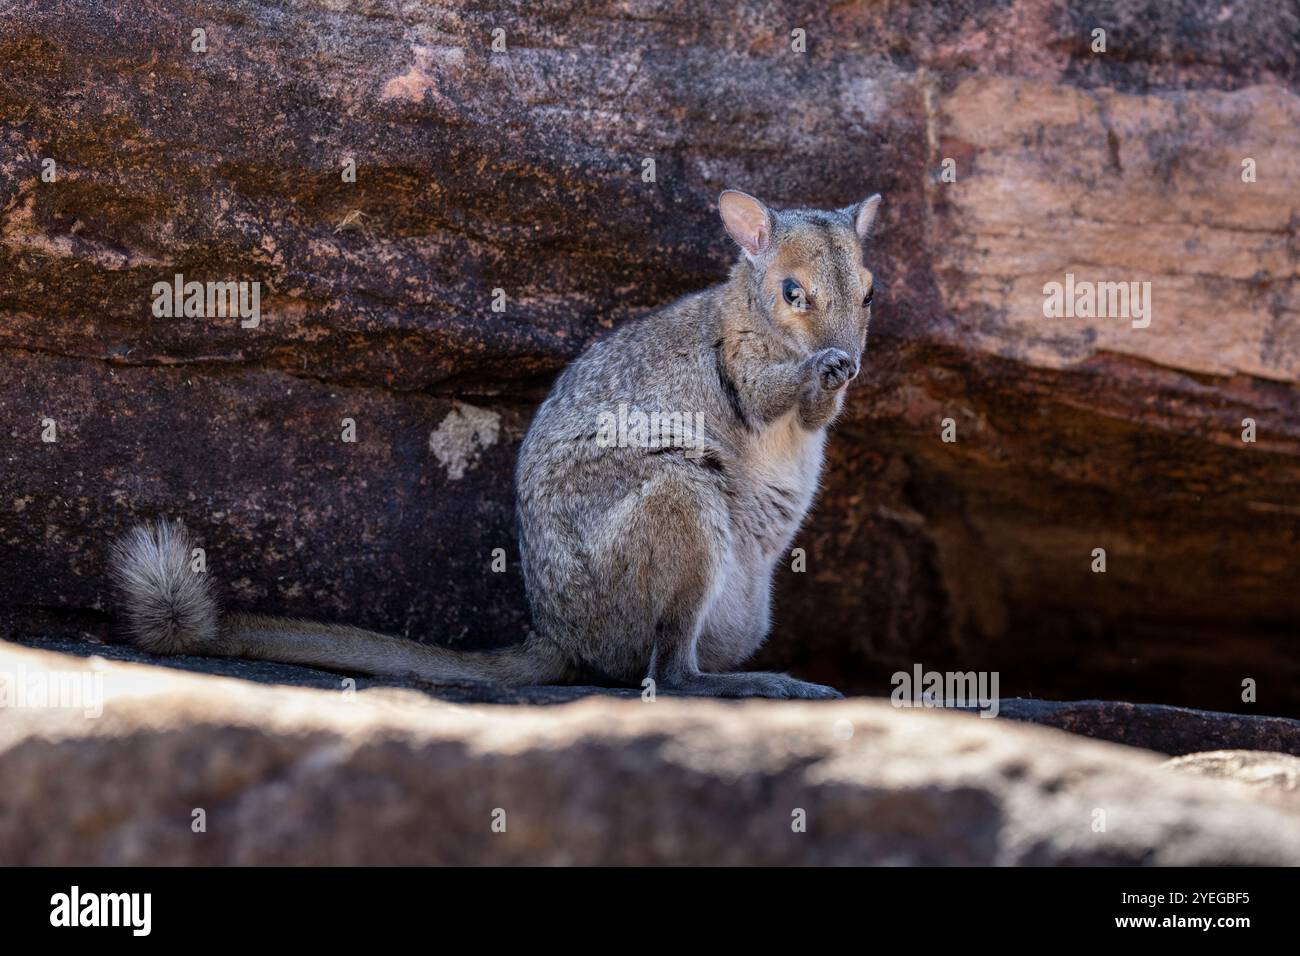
pixel 750 684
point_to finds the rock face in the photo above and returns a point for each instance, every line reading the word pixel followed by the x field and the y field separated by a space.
pixel 124 774
pixel 522 171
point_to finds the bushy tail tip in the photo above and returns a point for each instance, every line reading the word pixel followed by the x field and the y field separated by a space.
pixel 169 608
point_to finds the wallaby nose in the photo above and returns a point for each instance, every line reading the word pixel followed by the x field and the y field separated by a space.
pixel 857 367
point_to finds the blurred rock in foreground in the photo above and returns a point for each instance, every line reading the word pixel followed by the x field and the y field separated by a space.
pixel 295 776
pixel 1275 775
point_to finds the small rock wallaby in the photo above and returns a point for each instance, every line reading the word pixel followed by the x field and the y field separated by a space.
pixel 640 558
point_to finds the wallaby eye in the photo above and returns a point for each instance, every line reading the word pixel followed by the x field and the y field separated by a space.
pixel 870 292
pixel 792 292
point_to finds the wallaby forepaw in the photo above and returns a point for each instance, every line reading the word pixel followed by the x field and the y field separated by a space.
pixel 834 368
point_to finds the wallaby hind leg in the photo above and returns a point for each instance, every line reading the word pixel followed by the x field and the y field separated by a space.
pixel 688 528
pixel 675 668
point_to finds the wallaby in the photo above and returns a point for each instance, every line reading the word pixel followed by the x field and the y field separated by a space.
pixel 641 558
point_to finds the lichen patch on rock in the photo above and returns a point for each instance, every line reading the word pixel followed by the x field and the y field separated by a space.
pixel 458 442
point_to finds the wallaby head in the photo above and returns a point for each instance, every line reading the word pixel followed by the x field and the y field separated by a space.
pixel 806 271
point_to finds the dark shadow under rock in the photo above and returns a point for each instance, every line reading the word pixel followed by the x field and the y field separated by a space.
pixel 1169 730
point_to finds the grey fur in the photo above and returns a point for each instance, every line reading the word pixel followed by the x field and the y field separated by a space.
pixel 168 608
pixel 638 561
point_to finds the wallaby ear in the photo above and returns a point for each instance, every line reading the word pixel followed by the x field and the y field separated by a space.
pixel 864 215
pixel 747 220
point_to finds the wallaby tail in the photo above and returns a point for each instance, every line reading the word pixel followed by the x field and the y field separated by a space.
pixel 171 609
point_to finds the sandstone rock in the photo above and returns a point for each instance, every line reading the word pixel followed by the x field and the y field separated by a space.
pixel 521 171
pixel 1170 730
pixel 295 776
pixel 1275 776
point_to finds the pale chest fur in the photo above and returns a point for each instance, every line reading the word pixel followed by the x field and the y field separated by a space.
pixel 776 478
